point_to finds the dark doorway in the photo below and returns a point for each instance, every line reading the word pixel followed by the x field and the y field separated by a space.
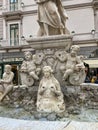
pixel 15 71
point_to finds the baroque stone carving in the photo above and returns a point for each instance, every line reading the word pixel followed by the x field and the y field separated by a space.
pixel 78 77
pixel 67 65
pixel 46 57
pixel 6 84
pixel 51 18
pixel 50 97
pixel 29 70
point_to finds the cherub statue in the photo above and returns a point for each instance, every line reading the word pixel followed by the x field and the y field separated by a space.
pixel 6 84
pixel 73 64
pixel 50 97
pixel 29 70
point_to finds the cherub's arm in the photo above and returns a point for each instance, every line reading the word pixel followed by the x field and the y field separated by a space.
pixel 80 63
pixel 23 67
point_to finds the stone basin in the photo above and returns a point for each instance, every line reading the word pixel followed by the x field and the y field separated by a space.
pixel 83 112
pixel 81 104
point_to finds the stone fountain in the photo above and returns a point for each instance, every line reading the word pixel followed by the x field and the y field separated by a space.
pixel 51 79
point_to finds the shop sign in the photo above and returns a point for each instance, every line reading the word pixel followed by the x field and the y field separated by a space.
pixel 12 59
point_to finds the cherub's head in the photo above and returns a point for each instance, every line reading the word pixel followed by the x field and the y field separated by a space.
pixel 7 69
pixel 28 55
pixel 74 50
pixel 47 70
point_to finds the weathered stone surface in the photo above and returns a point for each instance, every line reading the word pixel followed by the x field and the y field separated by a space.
pixel 51 117
pixel 85 95
pixel 54 51
pixel 57 41
pixel 13 124
pixel 50 97
pixel 49 50
pixel 81 126
pixel 51 23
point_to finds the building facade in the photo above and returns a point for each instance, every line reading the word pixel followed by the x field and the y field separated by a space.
pixel 18 22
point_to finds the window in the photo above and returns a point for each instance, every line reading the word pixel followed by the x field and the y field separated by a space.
pixel 13 5
pixel 14 34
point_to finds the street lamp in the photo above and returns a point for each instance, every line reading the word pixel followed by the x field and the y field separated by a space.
pixel 22 4
pixel 93 31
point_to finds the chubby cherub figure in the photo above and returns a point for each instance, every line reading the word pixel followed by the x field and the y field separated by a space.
pixel 29 68
pixel 73 62
pixel 6 83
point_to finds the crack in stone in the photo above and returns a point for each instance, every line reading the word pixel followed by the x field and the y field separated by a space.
pixel 66 125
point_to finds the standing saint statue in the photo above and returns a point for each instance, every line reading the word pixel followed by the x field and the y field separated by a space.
pixel 51 18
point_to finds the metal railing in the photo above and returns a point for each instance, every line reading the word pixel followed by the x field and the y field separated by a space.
pixel 11 7
pixel 85 36
pixel 17 6
pixel 16 42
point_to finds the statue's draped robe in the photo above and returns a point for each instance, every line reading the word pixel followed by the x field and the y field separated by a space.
pixel 53 14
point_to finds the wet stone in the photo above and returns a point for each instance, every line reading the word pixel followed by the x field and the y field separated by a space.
pixel 37 115
pixel 52 117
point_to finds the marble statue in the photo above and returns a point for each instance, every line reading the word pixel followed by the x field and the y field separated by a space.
pixel 51 18
pixel 74 69
pixel 6 83
pixel 50 97
pixel 29 70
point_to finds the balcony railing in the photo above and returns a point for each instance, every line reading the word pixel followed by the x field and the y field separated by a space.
pixel 16 42
pixel 19 7
pixel 85 36
pixel 11 7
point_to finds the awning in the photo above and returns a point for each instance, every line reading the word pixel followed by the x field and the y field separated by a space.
pixel 92 63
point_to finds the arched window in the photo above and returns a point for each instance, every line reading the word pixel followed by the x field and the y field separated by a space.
pixel 13 5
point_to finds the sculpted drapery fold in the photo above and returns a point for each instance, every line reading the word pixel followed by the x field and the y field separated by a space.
pixel 51 17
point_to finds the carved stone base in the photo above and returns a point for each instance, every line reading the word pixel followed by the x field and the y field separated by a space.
pixel 57 41
pixel 50 51
pixel 76 97
pixel 84 95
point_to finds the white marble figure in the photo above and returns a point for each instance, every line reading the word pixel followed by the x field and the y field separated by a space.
pixel 29 70
pixel 50 97
pixel 74 69
pixel 51 18
pixel 6 83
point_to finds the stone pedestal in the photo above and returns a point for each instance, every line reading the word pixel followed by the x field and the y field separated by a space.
pixel 57 42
